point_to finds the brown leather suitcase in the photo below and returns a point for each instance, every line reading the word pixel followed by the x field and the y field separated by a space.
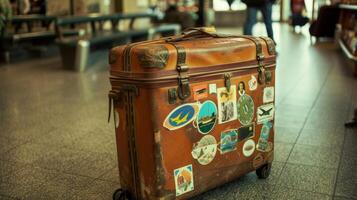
pixel 191 112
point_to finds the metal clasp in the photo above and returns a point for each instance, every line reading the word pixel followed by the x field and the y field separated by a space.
pixel 183 89
pixel 261 69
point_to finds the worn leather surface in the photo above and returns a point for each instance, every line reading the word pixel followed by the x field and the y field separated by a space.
pixel 160 151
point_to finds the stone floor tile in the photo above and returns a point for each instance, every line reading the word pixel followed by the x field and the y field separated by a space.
pixel 282 193
pixel 282 151
pixel 286 135
pixel 327 157
pixel 308 178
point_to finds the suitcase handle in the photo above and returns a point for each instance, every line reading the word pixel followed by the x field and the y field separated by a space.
pixel 198 32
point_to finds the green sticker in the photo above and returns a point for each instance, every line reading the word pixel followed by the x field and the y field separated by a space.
pixel 245 109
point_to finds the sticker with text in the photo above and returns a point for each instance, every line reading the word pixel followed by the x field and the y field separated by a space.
pixel 265 113
pixel 183 180
pixel 227 104
pixel 181 116
pixel 205 150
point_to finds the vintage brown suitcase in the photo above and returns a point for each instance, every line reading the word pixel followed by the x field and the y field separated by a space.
pixel 192 112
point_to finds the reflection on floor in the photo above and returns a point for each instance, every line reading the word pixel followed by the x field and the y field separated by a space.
pixel 55 142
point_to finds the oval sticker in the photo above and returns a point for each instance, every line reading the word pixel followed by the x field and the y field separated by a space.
pixel 207 117
pixel 181 116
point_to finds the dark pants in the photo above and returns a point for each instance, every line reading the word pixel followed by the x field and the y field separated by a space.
pixel 266 11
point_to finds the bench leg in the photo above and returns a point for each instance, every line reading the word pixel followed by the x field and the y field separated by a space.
pixel 6 55
pixel 75 57
pixel 82 55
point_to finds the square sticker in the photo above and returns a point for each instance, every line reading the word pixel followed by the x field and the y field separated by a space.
pixel 183 180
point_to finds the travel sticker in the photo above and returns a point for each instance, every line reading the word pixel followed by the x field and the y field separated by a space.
pixel 248 148
pixel 246 132
pixel 227 104
pixel 265 113
pixel 268 95
pixel 207 117
pixel 183 180
pixel 241 88
pixel 200 92
pixel 229 140
pixel 263 144
pixel 116 118
pixel 245 109
pixel 253 83
pixel 205 150
pixel 181 116
pixel 258 160
pixel 212 88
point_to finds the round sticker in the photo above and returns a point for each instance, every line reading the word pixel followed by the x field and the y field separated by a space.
pixel 248 148
pixel 205 150
pixel 245 109
pixel 116 119
pixel 207 117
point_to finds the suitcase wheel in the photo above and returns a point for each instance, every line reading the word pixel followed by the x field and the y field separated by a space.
pixel 121 194
pixel 263 172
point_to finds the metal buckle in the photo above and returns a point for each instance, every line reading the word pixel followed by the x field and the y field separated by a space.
pixel 183 89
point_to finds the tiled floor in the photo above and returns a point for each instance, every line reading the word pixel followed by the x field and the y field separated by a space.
pixel 55 142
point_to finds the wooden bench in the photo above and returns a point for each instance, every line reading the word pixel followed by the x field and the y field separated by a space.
pixel 27 30
pixel 98 31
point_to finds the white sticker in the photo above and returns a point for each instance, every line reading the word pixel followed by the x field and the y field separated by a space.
pixel 268 95
pixel 265 113
pixel 227 104
pixel 116 117
pixel 212 88
pixel 248 148
pixel 253 83
pixel 183 180
pixel 205 150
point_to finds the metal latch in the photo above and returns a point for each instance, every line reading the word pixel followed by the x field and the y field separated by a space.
pixel 113 96
pixel 227 81
pixel 183 89
pixel 172 95
pixel 261 69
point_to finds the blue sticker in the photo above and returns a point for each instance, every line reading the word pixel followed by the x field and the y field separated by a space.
pixel 263 144
pixel 181 116
pixel 207 117
pixel 229 141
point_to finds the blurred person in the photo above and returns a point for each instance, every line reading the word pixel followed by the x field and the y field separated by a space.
pixel 5 14
pixel 38 7
pixel 298 10
pixel 173 15
pixel 265 7
pixel 23 6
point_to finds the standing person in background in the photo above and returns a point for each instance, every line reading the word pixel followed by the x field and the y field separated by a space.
pixel 265 7
pixel 298 8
